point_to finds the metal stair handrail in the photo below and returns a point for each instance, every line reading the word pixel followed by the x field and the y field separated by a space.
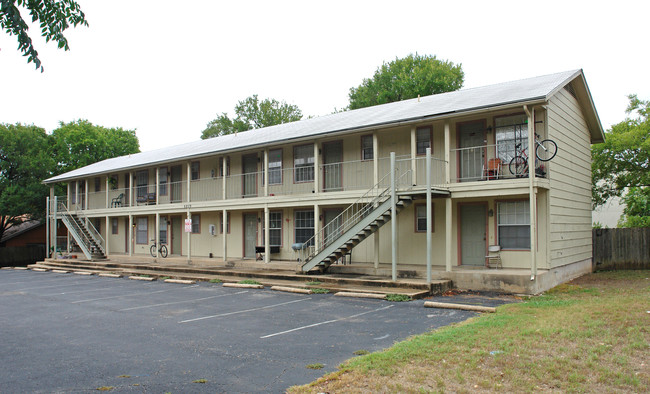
pixel 97 237
pixel 87 242
pixel 352 215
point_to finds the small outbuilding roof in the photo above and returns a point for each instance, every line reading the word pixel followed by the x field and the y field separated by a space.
pixel 531 90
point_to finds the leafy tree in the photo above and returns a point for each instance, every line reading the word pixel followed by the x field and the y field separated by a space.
pixel 54 16
pixel 637 208
pixel 25 160
pixel 623 160
pixel 407 78
pixel 80 143
pixel 253 114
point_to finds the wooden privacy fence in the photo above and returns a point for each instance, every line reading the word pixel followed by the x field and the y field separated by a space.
pixel 621 248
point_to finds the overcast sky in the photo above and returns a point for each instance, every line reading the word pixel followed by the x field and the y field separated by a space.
pixel 166 68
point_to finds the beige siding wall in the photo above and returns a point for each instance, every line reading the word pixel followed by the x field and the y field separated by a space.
pixel 570 178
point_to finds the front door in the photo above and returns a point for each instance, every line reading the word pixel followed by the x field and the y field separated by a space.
pixel 176 234
pixel 332 166
pixel 471 141
pixel 176 186
pixel 333 223
pixel 250 234
pixel 249 169
pixel 473 223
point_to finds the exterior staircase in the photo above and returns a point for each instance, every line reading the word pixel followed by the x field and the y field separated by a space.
pixel 84 233
pixel 356 223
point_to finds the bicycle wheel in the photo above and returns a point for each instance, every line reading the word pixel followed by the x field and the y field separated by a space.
pixel 163 251
pixel 518 166
pixel 152 250
pixel 546 150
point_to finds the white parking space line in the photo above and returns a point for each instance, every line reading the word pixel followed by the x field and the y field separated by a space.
pixel 181 302
pixel 129 295
pixel 80 291
pixel 244 311
pixel 325 322
pixel 58 279
pixel 50 287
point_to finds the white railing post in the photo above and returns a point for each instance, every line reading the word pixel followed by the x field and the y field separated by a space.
pixel 393 222
pixel 47 226
pixel 267 232
pixel 428 174
pixel 55 232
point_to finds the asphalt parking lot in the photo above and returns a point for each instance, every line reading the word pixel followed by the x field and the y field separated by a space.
pixel 72 333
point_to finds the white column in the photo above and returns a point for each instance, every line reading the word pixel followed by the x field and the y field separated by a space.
pixel 393 219
pixel 130 246
pixel 375 158
pixel 447 153
pixel 157 187
pixel 223 183
pixel 108 232
pixel 316 168
pixel 157 230
pixel 316 227
pixel 76 194
pixel 267 237
pixel 189 177
pixel 414 167
pixel 429 215
pixel 131 196
pixel 224 229
pixel 266 172
pixel 68 197
pixel 55 226
pixel 532 196
pixel 448 233
pixel 189 238
pixel 86 198
pixel 48 236
pixel 107 206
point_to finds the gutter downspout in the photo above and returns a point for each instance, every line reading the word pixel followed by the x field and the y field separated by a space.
pixel 531 191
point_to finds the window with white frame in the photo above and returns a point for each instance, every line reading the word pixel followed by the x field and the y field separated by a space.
pixel 367 152
pixel 275 167
pixel 196 223
pixel 510 131
pixel 275 229
pixel 304 225
pixel 303 163
pixel 141 231
pixel 142 183
pixel 421 218
pixel 422 140
pixel 513 224
pixel 195 170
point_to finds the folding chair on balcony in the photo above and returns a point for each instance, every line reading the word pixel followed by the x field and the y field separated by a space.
pixel 117 201
pixel 493 169
pixel 493 259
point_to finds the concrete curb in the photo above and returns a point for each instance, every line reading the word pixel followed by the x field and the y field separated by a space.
pixel 60 271
pixel 243 285
pixel 292 289
pixel 7 268
pixel 361 295
pixel 444 305
pixel 181 281
pixel 39 269
pixel 21 268
pixel 107 275
pixel 82 273
pixel 145 278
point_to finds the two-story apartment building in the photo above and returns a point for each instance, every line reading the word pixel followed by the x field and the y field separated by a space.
pixel 300 188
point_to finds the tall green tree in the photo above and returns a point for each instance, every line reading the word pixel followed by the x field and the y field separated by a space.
pixel 637 208
pixel 623 160
pixel 25 160
pixel 407 78
pixel 80 143
pixel 54 17
pixel 252 113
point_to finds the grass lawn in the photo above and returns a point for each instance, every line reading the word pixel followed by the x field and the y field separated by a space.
pixel 590 335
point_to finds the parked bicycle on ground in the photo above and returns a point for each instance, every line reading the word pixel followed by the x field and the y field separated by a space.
pixel 162 250
pixel 544 151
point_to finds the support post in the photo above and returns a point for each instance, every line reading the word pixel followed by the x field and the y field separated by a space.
pixel 375 158
pixel 47 227
pixel 393 218
pixel 448 234
pixel 157 188
pixel 414 167
pixel 532 196
pixel 224 228
pixel 267 234
pixel 316 168
pixel 55 227
pixel 447 153
pixel 316 228
pixel 86 190
pixel 189 178
pixel 107 233
pixel 107 206
pixel 130 246
pixel 189 237
pixel 429 227
pixel 76 195
pixel 223 185
pixel 157 230
pixel 266 172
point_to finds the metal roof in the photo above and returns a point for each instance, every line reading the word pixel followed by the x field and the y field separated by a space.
pixel 525 90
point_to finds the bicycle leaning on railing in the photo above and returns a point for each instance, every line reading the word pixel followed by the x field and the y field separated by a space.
pixel 162 250
pixel 544 151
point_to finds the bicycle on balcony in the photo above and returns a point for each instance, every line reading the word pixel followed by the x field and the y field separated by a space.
pixel 162 250
pixel 544 151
